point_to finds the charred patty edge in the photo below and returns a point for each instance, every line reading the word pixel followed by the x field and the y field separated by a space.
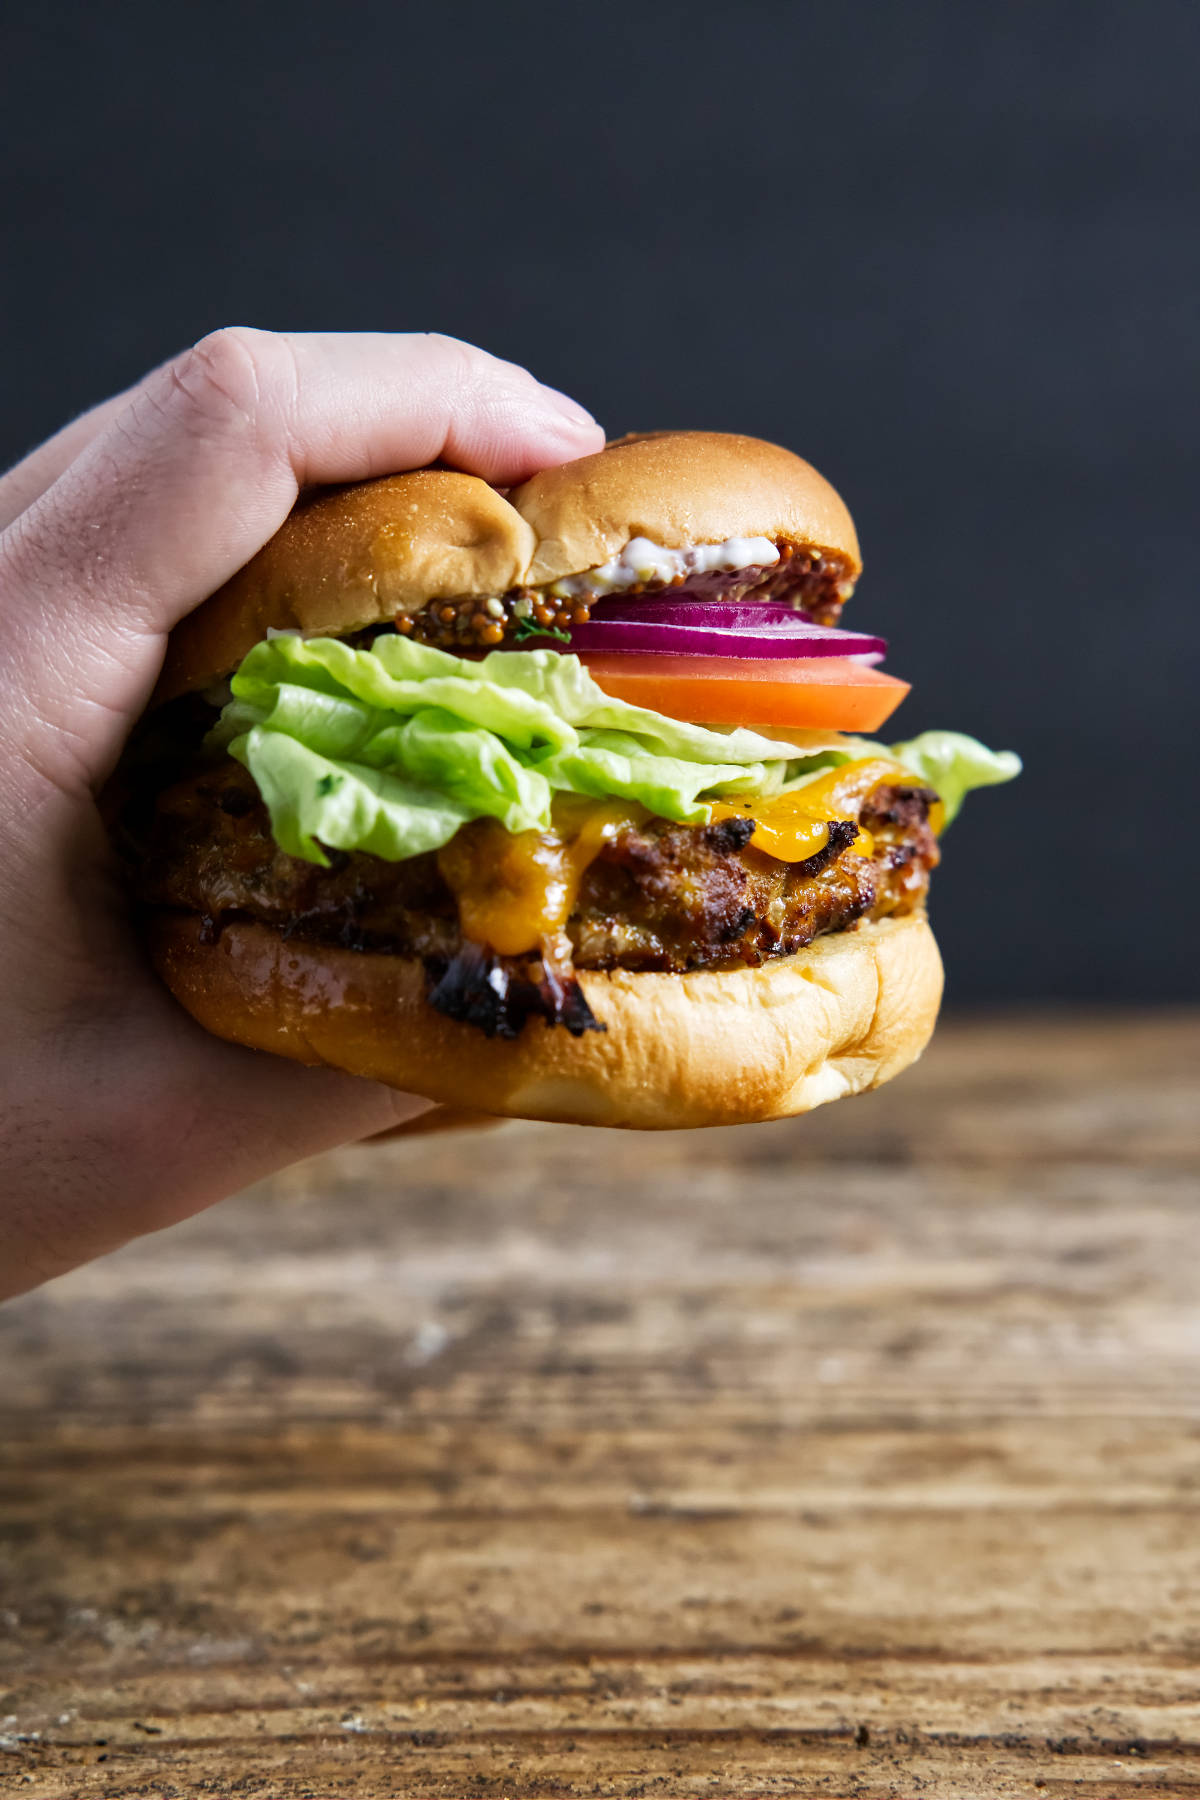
pixel 661 897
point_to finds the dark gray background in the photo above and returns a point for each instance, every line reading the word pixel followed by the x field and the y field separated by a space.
pixel 948 252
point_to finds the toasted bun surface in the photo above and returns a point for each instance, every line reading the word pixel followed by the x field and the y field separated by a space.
pixel 714 1047
pixel 678 488
pixel 356 556
pixel 352 557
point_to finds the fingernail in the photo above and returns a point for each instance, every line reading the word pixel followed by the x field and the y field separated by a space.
pixel 570 409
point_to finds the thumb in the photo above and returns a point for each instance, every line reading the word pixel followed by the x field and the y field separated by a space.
pixel 198 471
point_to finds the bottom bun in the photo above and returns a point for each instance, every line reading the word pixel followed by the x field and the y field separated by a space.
pixel 714 1047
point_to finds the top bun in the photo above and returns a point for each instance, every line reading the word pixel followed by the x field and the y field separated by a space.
pixel 678 488
pixel 347 558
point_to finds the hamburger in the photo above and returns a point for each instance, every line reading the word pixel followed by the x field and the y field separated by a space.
pixel 566 802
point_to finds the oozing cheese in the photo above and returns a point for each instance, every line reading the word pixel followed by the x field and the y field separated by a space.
pixel 515 892
pixel 795 826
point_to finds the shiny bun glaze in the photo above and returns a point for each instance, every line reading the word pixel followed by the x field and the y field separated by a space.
pixel 349 558
pixel 679 488
pixel 717 1047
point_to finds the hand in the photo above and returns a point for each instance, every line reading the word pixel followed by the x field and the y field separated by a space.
pixel 118 1115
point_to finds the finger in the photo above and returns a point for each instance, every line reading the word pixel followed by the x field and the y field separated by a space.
pixel 434 1120
pixel 201 467
pixel 159 1143
pixel 27 480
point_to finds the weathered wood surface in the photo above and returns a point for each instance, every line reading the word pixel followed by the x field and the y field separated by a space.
pixel 858 1455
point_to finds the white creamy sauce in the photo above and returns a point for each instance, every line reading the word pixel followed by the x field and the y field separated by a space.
pixel 643 562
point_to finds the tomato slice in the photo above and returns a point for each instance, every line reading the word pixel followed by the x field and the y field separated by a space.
pixel 828 691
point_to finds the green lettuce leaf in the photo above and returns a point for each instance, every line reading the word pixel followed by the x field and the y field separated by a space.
pixel 346 805
pixel 392 748
pixel 619 764
pixel 949 762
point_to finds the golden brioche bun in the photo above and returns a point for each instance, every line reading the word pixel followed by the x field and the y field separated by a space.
pixel 715 1047
pixel 678 488
pixel 356 556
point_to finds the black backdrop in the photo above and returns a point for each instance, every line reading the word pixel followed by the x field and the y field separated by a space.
pixel 949 252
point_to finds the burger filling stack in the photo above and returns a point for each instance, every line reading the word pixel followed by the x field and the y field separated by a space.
pixel 573 802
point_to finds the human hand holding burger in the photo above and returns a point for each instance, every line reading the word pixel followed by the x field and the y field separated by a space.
pixel 531 781
pixel 118 1114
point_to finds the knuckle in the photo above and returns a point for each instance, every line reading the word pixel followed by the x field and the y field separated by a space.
pixel 235 375
pixel 466 364
pixel 481 384
pixel 455 351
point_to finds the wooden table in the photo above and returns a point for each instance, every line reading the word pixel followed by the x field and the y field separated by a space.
pixel 858 1455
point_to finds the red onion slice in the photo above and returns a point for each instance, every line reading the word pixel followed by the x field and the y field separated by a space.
pixel 717 628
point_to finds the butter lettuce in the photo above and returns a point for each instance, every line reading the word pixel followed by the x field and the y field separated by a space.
pixel 949 762
pixel 349 806
pixel 392 748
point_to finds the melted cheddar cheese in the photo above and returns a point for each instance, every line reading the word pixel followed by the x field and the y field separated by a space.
pixel 793 827
pixel 516 891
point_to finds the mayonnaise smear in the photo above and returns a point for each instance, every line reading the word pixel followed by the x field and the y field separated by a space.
pixel 642 561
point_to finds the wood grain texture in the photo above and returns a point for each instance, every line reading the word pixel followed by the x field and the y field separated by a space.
pixel 857 1455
